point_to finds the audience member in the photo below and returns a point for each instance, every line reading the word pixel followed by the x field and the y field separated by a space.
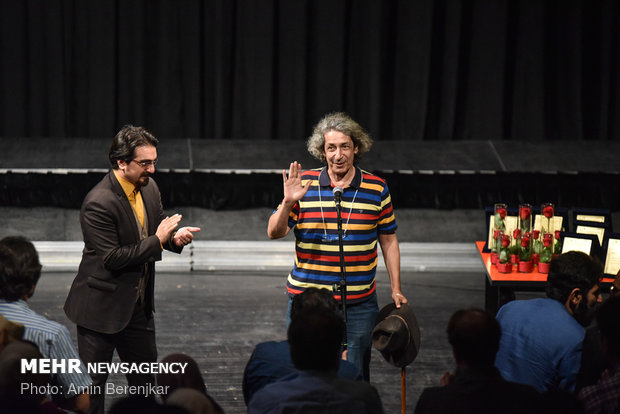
pixel 19 273
pixel 138 404
pixel 191 378
pixel 604 397
pixel 541 338
pixel 193 401
pixel 271 361
pixel 315 339
pixel 593 362
pixel 13 398
pixel 476 386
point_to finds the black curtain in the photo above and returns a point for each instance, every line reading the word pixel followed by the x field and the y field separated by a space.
pixel 269 69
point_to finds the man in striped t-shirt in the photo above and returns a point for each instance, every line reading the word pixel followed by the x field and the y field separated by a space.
pixel 367 215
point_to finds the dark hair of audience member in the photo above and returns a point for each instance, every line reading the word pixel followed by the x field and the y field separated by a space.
pixel 11 377
pixel 133 404
pixel 191 378
pixel 126 141
pixel 474 335
pixel 608 320
pixel 193 401
pixel 20 268
pixel 315 340
pixel 312 298
pixel 572 270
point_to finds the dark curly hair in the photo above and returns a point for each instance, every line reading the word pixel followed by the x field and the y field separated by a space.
pixel 126 141
pixel 572 270
pixel 20 268
pixel 341 122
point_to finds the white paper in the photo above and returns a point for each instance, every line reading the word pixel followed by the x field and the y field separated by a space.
pixel 574 244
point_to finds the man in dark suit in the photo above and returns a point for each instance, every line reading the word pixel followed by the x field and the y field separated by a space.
pixel 477 386
pixel 125 231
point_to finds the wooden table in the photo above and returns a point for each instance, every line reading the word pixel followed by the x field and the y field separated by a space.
pixel 500 287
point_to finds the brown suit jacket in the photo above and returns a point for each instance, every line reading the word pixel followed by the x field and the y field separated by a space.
pixel 104 292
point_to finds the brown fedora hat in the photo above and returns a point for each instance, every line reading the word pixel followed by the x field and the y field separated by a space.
pixel 397 334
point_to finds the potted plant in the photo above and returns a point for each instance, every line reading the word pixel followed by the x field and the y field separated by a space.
pixel 546 254
pixel 499 226
pixel 525 230
pixel 504 265
pixel 525 254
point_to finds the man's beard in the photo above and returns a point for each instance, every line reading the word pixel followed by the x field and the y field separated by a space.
pixel 143 181
pixel 584 314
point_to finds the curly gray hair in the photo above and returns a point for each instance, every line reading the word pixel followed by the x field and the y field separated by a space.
pixel 341 122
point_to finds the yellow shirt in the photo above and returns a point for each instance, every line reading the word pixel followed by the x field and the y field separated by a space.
pixel 134 197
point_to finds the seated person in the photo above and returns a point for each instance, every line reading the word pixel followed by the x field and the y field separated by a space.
pixel 14 398
pixel 315 340
pixel 19 273
pixel 271 361
pixel 476 386
pixel 542 338
pixel 191 378
pixel 604 397
pixel 593 362
pixel 193 401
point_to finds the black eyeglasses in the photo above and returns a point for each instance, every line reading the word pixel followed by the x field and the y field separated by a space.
pixel 146 163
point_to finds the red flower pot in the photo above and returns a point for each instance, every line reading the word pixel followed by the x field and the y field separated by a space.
pixel 526 267
pixel 504 267
pixel 535 258
pixel 494 258
pixel 514 258
pixel 543 267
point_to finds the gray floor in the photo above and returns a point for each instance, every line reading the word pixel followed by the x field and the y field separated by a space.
pixel 219 318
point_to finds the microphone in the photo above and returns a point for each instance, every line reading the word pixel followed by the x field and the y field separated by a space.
pixel 337 195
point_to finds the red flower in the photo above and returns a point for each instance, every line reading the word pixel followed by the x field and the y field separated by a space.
pixel 502 213
pixel 516 234
pixel 547 239
pixel 548 211
pixel 505 241
pixel 525 213
pixel 536 234
pixel 495 234
pixel 557 234
pixel 525 242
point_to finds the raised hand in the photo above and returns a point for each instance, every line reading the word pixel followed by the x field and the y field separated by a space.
pixel 293 189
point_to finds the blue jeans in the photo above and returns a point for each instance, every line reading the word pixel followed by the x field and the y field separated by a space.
pixel 360 323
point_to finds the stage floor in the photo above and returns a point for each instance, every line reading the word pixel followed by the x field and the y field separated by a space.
pixel 219 318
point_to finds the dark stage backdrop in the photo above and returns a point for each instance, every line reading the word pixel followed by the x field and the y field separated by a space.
pixel 269 69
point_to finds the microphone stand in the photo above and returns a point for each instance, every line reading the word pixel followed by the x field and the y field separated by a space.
pixel 342 285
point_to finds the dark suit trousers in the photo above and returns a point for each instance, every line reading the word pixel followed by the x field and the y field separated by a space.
pixel 135 343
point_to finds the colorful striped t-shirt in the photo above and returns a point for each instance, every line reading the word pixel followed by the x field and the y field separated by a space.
pixel 366 212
